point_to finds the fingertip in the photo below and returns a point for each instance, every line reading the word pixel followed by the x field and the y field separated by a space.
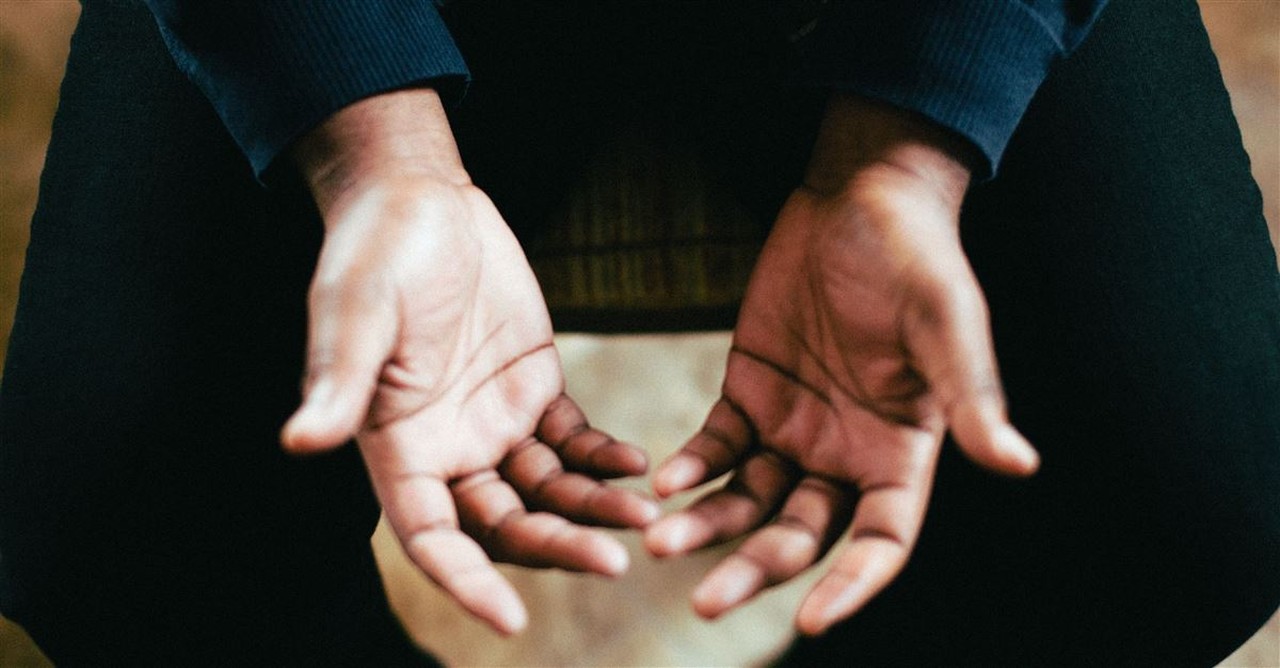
pixel 634 461
pixel 625 510
pixel 827 604
pixel 706 603
pixel 301 436
pixel 502 609
pixel 600 554
pixel 730 584
pixel 1023 456
pixel 511 619
pixel 645 513
pixel 628 462
pixel 459 565
pixel 654 544
pixel 323 422
pixel 614 561
pixel 289 438
pixel 615 460
pixel 1009 453
pixel 989 440
pixel 678 474
pixel 810 620
pixel 810 626
pixel 667 536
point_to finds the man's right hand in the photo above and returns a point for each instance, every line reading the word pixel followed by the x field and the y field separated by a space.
pixel 430 343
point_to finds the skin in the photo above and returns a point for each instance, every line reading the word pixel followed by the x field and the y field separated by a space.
pixel 862 339
pixel 430 343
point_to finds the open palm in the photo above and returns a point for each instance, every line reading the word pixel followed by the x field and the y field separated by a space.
pixel 862 339
pixel 430 342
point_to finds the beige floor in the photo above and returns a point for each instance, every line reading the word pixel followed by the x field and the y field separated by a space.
pixel 650 398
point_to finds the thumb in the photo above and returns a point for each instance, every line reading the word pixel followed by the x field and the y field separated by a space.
pixel 350 338
pixel 950 336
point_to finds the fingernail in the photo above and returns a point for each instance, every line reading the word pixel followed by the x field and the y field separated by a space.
pixel 310 417
pixel 512 619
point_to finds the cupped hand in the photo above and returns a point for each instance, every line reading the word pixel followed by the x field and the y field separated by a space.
pixel 430 343
pixel 861 340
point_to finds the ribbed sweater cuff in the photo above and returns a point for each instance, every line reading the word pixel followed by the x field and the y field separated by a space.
pixel 972 65
pixel 274 69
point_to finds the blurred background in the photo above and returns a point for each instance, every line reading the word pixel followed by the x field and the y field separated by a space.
pixel 644 617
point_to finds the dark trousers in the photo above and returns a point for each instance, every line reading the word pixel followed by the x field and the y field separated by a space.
pixel 147 514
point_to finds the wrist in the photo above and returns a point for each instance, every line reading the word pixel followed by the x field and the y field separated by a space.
pixel 862 139
pixel 392 135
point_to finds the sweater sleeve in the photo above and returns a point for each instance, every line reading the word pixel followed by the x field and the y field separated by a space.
pixel 274 69
pixel 970 65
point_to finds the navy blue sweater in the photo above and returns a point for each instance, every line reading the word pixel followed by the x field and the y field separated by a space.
pixel 273 69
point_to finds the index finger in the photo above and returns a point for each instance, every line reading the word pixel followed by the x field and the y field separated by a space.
pixel 420 510
pixel 885 526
